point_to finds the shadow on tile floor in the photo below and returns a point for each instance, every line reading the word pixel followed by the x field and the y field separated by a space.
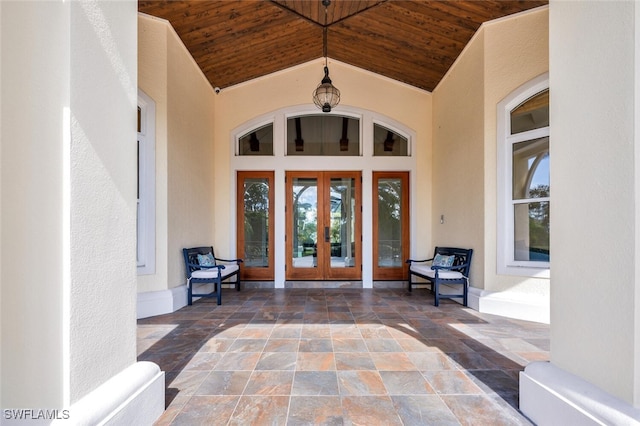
pixel 339 356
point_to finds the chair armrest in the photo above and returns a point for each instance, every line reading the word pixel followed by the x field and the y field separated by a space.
pixel 229 260
pixel 417 260
pixel 463 265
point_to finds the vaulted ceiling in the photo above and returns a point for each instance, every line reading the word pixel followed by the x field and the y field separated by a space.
pixel 412 41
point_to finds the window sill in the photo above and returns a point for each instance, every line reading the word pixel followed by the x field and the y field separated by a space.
pixel 524 271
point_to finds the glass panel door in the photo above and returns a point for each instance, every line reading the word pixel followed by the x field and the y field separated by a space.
pixel 390 225
pixel 303 220
pixel 343 229
pixel 323 214
pixel 255 225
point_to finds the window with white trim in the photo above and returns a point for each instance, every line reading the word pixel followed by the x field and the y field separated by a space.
pixel 388 142
pixel 323 134
pixel 258 141
pixel 523 173
pixel 146 186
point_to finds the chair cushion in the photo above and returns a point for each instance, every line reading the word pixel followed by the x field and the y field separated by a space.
pixel 426 271
pixel 229 269
pixel 442 260
pixel 213 272
pixel 206 259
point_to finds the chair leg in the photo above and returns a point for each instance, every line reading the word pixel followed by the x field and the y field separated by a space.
pixel 238 283
pixel 464 297
pixel 409 281
pixel 436 289
pixel 218 286
pixel 189 294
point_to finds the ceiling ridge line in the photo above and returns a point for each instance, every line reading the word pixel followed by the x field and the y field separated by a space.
pixel 298 14
pixel 327 24
pixel 358 12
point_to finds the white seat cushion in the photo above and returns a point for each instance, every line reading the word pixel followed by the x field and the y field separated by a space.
pixel 213 272
pixel 431 273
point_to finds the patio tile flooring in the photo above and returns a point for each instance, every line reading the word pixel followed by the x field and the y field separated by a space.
pixel 339 357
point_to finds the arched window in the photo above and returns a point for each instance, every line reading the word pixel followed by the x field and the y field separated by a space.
pixel 258 141
pixel 523 174
pixel 388 142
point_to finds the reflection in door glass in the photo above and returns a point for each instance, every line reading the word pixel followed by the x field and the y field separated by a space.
pixel 256 222
pixel 389 222
pixel 305 222
pixel 341 231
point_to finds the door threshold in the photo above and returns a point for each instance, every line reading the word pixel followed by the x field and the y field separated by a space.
pixel 323 284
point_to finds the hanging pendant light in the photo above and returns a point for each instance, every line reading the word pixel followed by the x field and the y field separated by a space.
pixel 326 96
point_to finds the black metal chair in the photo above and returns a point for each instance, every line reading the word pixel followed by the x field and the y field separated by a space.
pixel 202 267
pixel 454 271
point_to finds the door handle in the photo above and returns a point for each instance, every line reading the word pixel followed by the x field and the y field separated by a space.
pixel 326 234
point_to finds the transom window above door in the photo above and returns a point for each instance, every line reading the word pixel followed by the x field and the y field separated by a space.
pixel 302 133
pixel 328 135
pixel 258 141
pixel 390 143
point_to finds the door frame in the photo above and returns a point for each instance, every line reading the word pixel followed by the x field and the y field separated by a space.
pixel 323 270
pixel 279 162
pixel 400 272
pixel 247 272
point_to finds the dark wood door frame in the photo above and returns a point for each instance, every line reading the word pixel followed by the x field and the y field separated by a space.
pixel 322 269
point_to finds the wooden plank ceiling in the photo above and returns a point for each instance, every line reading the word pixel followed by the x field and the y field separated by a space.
pixel 412 41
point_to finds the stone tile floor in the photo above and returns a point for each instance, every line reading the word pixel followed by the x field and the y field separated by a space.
pixel 339 357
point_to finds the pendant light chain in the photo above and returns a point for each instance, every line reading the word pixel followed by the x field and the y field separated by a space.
pixel 326 96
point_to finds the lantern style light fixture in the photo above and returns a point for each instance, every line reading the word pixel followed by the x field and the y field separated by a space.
pixel 326 96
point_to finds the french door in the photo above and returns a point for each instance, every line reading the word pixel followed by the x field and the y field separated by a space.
pixel 390 225
pixel 324 225
pixel 255 195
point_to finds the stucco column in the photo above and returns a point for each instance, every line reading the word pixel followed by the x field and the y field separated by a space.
pixel 68 182
pixel 595 174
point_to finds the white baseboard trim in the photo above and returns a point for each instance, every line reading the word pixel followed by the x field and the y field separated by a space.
pixel 135 396
pixel 510 304
pixel 551 396
pixel 161 302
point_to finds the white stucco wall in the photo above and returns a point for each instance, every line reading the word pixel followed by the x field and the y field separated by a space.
pixel 68 196
pixel 185 186
pixel 503 55
pixel 292 89
pixel 191 189
pixel 32 200
pixel 516 51
pixel 498 48
pixel 152 80
pixel 0 198
pixel 458 166
pixel 636 138
pixel 103 192
pixel 595 176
